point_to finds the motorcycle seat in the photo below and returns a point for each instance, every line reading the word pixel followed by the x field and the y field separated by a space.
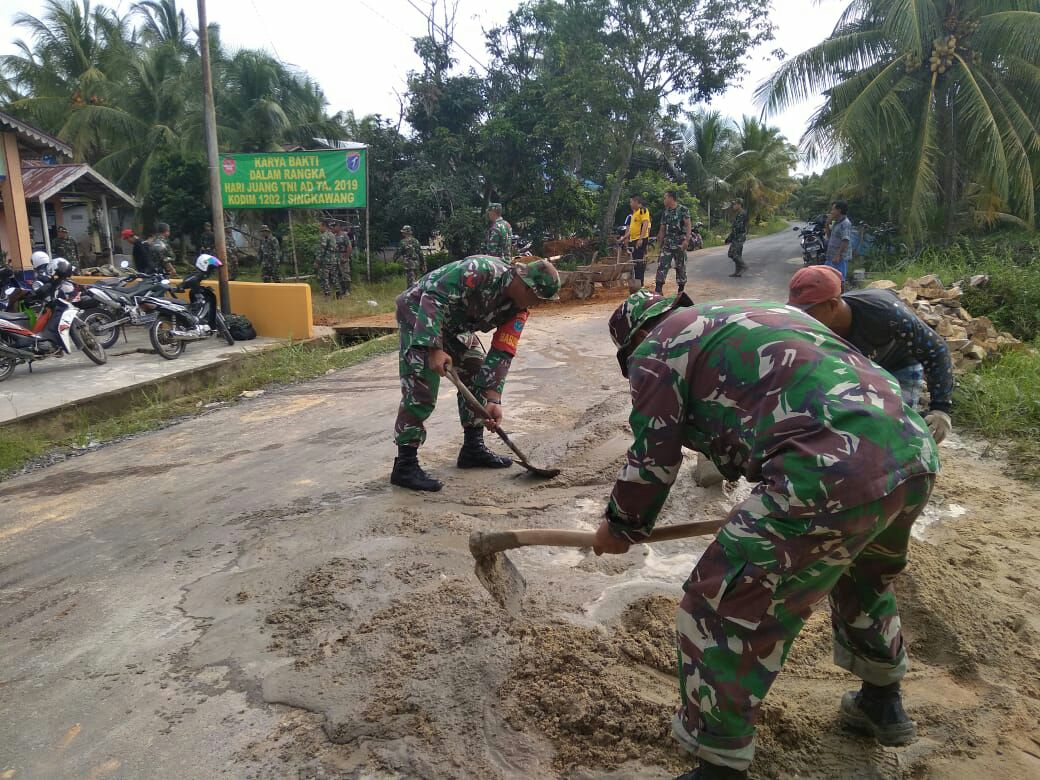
pixel 14 316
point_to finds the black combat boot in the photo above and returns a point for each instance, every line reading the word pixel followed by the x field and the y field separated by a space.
pixel 878 710
pixel 709 771
pixel 408 473
pixel 475 454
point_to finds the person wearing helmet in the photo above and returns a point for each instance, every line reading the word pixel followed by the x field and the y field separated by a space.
pixel 40 260
pixel 841 470
pixel 437 317
pixel 411 255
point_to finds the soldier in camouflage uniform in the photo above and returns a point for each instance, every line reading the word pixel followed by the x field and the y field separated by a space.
pixel 325 264
pixel 437 317
pixel 162 252
pixel 673 238
pixel 232 253
pixel 737 236
pixel 842 469
pixel 65 246
pixel 411 254
pixel 207 241
pixel 343 251
pixel 498 241
pixel 268 254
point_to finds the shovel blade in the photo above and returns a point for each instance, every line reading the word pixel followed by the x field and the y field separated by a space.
pixel 503 581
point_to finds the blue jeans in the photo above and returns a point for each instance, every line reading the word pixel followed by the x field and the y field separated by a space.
pixel 911 382
pixel 842 266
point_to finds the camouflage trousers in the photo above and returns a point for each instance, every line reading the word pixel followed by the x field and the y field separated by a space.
pixel 269 271
pixel 410 273
pixel 736 254
pixel 671 254
pixel 232 264
pixel 328 276
pixel 751 592
pixel 419 384
pixel 343 274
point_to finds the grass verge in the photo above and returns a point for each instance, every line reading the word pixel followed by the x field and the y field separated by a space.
pixel 359 304
pixel 1000 401
pixel 20 446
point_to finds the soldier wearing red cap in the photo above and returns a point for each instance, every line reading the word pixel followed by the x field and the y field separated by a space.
pixel 888 332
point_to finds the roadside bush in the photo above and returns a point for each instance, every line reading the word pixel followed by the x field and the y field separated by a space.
pixel 435 260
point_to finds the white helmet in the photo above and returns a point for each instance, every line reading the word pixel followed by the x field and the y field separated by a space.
pixel 202 262
pixel 40 258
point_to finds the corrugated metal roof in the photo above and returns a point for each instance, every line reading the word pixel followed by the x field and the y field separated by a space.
pixel 34 134
pixel 46 181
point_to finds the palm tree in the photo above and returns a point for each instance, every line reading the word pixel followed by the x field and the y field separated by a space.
pixel 942 96
pixel 162 23
pixel 709 139
pixel 760 169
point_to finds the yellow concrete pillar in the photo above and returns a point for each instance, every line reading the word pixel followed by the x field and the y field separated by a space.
pixel 16 215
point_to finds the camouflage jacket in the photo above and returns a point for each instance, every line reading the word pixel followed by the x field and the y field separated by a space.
pixel 411 252
pixel 498 241
pixel 269 250
pixel 343 245
pixel 67 248
pixel 738 231
pixel 161 251
pixel 326 252
pixel 767 393
pixel 229 244
pixel 462 297
pixel 672 221
pixel 207 242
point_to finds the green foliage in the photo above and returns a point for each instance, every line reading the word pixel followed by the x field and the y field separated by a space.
pixel 179 195
pixel 463 232
pixel 933 101
pixel 306 235
pixel 435 260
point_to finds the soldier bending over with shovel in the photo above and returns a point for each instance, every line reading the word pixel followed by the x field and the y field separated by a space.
pixel 842 469
pixel 437 317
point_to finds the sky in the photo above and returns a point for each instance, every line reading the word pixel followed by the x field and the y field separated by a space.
pixel 360 51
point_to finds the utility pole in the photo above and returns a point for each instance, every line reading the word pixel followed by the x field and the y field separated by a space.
pixel 209 114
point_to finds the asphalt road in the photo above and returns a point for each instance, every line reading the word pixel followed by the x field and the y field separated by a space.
pixel 138 582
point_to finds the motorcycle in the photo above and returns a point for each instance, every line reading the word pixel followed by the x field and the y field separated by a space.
pixel 178 322
pixel 814 248
pixel 110 306
pixel 696 238
pixel 58 329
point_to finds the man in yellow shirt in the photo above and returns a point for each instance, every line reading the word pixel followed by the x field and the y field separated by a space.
pixel 638 237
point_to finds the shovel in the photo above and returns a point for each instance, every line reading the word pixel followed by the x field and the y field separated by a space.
pixel 504 581
pixel 478 408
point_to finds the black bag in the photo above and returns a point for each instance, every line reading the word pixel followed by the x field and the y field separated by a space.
pixel 241 328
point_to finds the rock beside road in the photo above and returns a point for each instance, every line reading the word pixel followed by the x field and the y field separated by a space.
pixel 970 339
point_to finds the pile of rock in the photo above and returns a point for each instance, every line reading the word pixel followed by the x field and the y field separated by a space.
pixel 970 339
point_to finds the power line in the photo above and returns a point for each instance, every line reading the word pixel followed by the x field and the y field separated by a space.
pixel 444 32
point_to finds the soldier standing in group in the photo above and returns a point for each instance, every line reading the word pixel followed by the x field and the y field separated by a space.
pixel 737 236
pixel 673 238
pixel 841 468
pixel 437 318
pixel 268 255
pixel 411 255
pixel 65 246
pixel 498 241
pixel 344 249
pixel 162 252
pixel 325 264
pixel 207 241
pixel 232 253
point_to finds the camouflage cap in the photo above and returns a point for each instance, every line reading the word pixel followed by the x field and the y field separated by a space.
pixel 265 229
pixel 541 276
pixel 638 309
pixel 495 207
pixel 406 229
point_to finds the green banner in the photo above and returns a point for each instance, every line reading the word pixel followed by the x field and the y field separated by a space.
pixel 295 180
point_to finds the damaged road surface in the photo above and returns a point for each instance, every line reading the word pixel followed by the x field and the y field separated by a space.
pixel 245 595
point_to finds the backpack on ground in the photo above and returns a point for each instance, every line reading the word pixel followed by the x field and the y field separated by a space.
pixel 241 328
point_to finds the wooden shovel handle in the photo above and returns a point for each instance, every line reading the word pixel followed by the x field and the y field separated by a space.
pixel 477 407
pixel 483 543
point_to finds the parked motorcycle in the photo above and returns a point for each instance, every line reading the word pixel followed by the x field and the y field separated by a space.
pixel 110 306
pixel 58 329
pixel 696 237
pixel 814 248
pixel 199 318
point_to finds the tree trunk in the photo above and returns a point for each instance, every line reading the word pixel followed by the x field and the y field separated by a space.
pixel 620 176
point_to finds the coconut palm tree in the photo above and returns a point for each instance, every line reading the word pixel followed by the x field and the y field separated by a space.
pixel 941 95
pixel 709 140
pixel 760 169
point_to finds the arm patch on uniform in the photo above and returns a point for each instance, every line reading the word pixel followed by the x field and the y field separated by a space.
pixel 507 337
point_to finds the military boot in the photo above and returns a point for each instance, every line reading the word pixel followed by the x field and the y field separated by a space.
pixel 709 771
pixel 878 710
pixel 408 473
pixel 475 454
